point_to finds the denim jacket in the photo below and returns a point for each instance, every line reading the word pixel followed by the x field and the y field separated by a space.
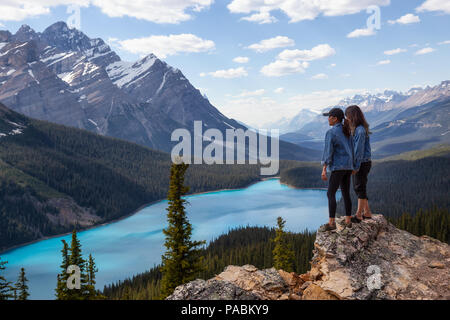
pixel 338 153
pixel 361 147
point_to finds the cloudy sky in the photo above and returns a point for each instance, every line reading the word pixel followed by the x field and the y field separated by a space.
pixel 260 60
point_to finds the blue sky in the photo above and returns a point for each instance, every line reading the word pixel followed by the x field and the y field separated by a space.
pixel 309 59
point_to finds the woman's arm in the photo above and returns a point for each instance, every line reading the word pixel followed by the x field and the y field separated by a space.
pixel 327 156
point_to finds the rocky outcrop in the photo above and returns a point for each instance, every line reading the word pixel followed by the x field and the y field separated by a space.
pixel 371 260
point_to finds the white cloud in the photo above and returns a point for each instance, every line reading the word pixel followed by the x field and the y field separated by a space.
pixel 318 52
pixel 252 110
pixel 173 11
pixel 241 59
pixel 279 90
pixel 284 67
pixel 163 46
pixel 272 43
pixel 332 65
pixel 298 10
pixel 383 62
pixel 394 51
pixel 406 19
pixel 229 73
pixel 295 61
pixel 246 93
pixel 319 76
pixel 444 42
pixel 424 51
pixel 346 75
pixel 261 18
pixel 361 33
pixel 23 9
pixel 435 5
pixel 2 25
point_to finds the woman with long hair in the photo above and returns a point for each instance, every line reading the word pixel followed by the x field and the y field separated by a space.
pixel 362 159
pixel 338 159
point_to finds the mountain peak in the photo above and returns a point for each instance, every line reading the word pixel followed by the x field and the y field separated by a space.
pixel 25 28
pixel 147 58
pixel 57 26
pixel 64 38
pixel 347 264
pixel 25 33
pixel 5 35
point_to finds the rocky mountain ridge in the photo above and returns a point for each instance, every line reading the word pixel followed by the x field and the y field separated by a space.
pixel 60 75
pixel 63 76
pixel 371 260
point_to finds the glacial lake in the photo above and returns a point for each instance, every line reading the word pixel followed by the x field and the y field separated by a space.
pixel 135 244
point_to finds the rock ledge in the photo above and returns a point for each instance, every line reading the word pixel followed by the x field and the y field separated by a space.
pixel 371 260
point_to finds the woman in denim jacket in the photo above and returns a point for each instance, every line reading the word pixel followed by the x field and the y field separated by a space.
pixel 362 159
pixel 338 159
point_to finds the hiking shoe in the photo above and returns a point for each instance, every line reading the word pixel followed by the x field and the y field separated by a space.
pixel 364 217
pixel 348 225
pixel 328 227
pixel 355 219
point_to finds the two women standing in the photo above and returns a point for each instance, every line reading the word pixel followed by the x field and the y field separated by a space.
pixel 347 152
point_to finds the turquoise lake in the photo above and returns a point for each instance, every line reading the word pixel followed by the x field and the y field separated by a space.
pixel 135 244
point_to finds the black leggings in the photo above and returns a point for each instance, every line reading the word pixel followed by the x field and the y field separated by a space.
pixel 360 180
pixel 339 178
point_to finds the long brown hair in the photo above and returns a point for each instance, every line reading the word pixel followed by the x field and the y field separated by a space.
pixel 346 128
pixel 355 118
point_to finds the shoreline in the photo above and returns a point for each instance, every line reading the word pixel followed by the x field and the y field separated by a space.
pixel 294 187
pixel 127 215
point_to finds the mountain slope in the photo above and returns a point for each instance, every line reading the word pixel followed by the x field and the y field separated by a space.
pixel 416 128
pixel 63 76
pixel 54 177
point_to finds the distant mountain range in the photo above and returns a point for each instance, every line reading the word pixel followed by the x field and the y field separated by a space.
pixel 63 76
pixel 286 125
pixel 417 119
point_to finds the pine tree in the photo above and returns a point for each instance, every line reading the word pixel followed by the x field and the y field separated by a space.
pixel 91 270
pixel 181 261
pixel 5 286
pixel 283 256
pixel 21 286
pixel 61 287
pixel 73 256
pixel 76 259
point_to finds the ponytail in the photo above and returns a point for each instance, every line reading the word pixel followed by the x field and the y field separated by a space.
pixel 346 128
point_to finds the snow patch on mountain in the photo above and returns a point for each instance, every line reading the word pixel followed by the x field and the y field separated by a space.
pixel 124 73
pixel 67 77
pixel 18 129
pixel 30 72
pixel 162 83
